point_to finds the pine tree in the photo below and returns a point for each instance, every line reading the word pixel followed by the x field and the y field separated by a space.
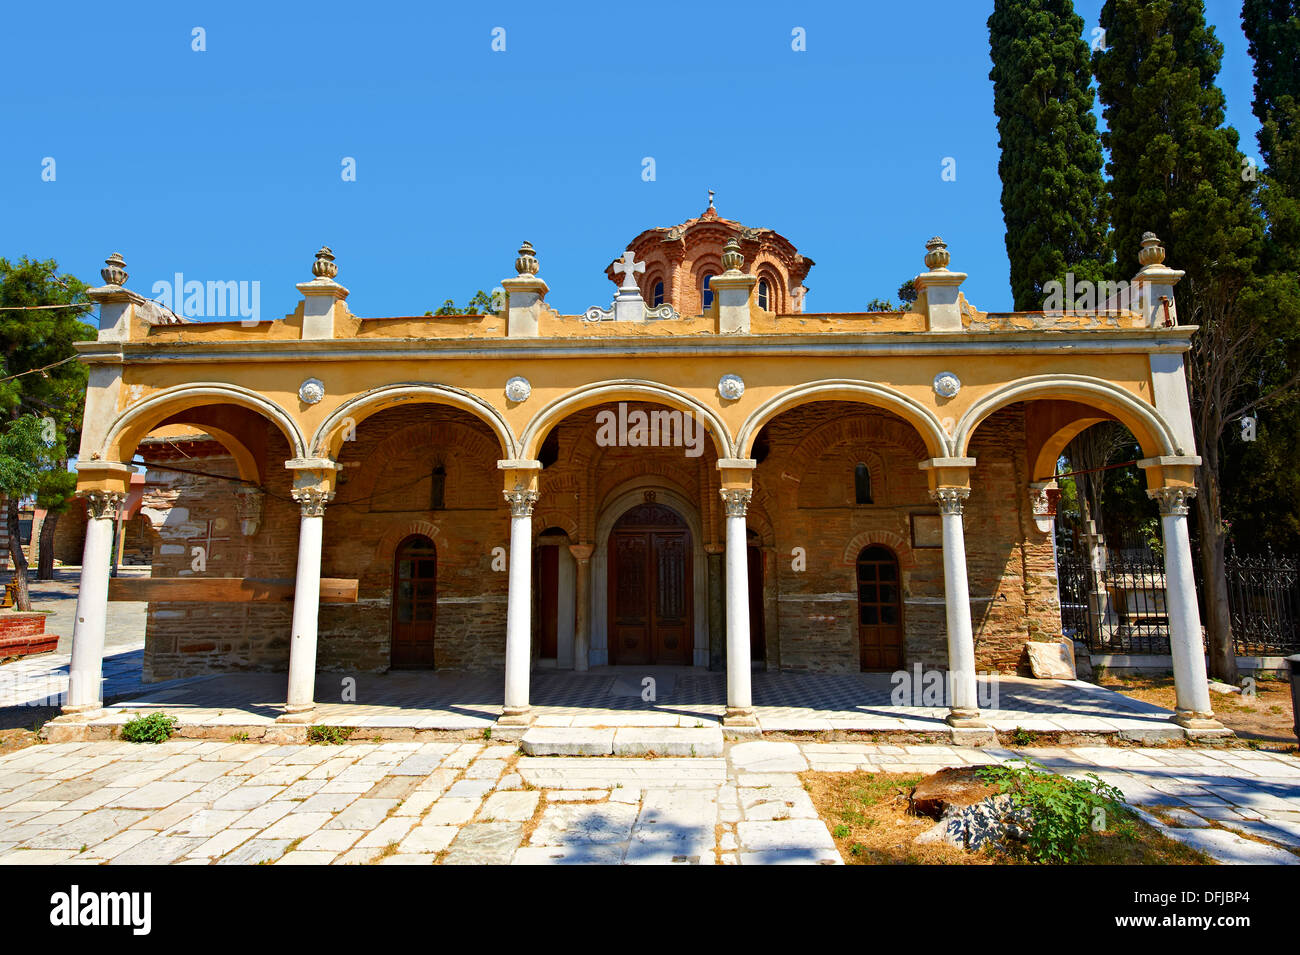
pixel 1175 170
pixel 1051 154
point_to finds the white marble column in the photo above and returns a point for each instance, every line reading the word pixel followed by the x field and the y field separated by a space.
pixel 1186 646
pixel 85 694
pixel 306 605
pixel 582 609
pixel 964 701
pixel 740 706
pixel 519 637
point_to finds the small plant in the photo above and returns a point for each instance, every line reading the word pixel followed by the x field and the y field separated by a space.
pixel 487 732
pixel 153 728
pixel 1061 811
pixel 1021 736
pixel 842 832
pixel 330 735
pixel 239 738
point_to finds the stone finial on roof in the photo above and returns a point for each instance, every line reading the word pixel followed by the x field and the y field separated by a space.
pixel 1152 252
pixel 732 260
pixel 114 271
pixel 324 267
pixel 526 263
pixel 936 254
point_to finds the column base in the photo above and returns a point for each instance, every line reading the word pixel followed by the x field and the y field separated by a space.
pixel 1193 720
pixel 516 716
pixel 80 712
pixel 297 713
pixel 965 719
pixel 740 716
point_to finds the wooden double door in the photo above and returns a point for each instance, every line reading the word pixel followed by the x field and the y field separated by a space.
pixel 650 585
pixel 415 603
pixel 880 610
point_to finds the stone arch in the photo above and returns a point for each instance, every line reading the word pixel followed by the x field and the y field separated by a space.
pixel 627 389
pixel 397 532
pixel 902 548
pixel 328 438
pixel 1147 425
pixel 554 517
pixel 862 433
pixel 619 502
pixel 127 429
pixel 921 418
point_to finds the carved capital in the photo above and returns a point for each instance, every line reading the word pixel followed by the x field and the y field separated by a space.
pixel 312 500
pixel 736 501
pixel 248 508
pixel 103 505
pixel 1173 501
pixel 951 500
pixel 521 501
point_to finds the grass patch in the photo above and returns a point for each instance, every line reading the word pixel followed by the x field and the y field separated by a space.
pixel 330 735
pixel 868 816
pixel 155 727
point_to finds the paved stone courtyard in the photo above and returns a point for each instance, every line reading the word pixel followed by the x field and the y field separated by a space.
pixel 605 696
pixel 201 802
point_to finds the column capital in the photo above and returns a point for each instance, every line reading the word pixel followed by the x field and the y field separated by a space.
pixel 736 500
pixel 1173 501
pixel 312 500
pixel 951 500
pixel 521 501
pixel 581 552
pixel 102 505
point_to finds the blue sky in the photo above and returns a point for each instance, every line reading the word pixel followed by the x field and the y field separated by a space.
pixel 225 165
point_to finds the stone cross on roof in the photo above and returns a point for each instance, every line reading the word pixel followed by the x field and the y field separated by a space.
pixel 628 267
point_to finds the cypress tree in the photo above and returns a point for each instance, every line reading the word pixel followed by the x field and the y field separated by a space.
pixel 1262 479
pixel 1051 154
pixel 1175 170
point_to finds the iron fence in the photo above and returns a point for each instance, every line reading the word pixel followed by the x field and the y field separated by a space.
pixel 1120 607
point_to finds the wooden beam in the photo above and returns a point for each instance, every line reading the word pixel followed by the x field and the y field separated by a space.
pixel 333 590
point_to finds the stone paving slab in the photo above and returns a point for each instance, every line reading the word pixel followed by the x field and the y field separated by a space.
pixel 479 802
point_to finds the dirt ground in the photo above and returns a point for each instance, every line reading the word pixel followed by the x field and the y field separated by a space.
pixel 1264 718
pixel 868 816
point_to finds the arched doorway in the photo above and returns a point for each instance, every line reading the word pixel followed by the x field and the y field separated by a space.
pixel 880 610
pixel 650 584
pixel 415 602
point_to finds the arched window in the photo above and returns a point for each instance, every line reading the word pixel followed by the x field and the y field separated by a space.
pixel 706 293
pixel 763 296
pixel 438 491
pixel 862 484
pixel 657 298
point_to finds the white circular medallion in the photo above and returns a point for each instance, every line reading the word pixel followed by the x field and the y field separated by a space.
pixel 946 384
pixel 311 391
pixel 731 387
pixel 518 389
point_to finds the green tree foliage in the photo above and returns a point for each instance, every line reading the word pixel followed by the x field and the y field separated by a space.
pixel 1175 170
pixel 1051 154
pixel 42 382
pixel 482 303
pixel 1262 479
pixel 906 298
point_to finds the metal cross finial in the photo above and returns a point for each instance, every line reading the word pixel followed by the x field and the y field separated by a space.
pixel 710 198
pixel 628 267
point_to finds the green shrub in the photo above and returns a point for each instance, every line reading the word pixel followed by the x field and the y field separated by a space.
pixel 1062 810
pixel 330 735
pixel 153 728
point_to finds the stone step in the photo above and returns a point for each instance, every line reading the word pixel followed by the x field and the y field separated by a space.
pixel 622 741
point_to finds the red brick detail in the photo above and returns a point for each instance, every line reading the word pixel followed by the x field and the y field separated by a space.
pixel 902 549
